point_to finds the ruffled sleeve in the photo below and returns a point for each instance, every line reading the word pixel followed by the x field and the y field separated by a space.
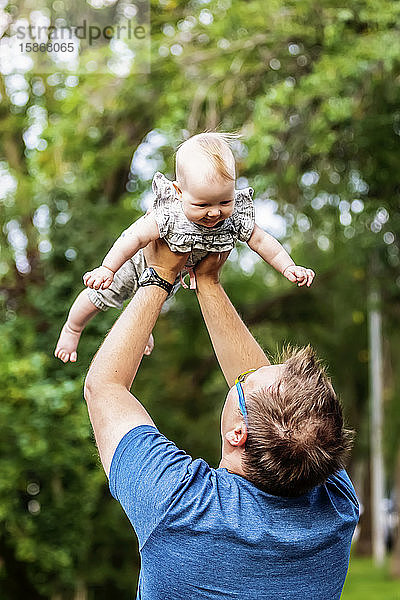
pixel 164 196
pixel 244 209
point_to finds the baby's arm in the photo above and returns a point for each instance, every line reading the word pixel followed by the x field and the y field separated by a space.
pixel 274 254
pixel 137 236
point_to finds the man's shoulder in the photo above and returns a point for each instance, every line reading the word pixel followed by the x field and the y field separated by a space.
pixel 152 478
pixel 145 453
pixel 340 485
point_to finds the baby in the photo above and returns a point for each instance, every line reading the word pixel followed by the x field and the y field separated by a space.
pixel 198 213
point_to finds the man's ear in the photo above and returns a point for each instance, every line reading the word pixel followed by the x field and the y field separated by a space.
pixel 177 189
pixel 238 435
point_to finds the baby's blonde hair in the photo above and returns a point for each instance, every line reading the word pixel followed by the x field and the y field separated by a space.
pixel 216 148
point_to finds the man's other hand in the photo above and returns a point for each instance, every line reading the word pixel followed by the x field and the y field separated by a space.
pixel 210 267
pixel 166 263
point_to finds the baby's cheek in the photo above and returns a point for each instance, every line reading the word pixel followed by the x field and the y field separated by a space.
pixel 229 212
pixel 185 208
pixel 196 214
pixel 189 214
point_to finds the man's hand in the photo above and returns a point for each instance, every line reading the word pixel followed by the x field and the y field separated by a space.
pixel 101 277
pixel 299 275
pixel 210 267
pixel 165 262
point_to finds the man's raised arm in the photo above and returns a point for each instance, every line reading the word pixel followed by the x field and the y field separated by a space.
pixel 235 347
pixel 113 410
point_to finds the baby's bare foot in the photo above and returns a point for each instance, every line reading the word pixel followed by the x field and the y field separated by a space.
pixel 149 346
pixel 67 344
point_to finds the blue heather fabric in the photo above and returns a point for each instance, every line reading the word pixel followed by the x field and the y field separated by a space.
pixel 209 534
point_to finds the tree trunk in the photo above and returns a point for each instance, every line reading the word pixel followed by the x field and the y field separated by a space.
pixel 376 427
pixel 80 591
pixel 364 543
pixel 395 562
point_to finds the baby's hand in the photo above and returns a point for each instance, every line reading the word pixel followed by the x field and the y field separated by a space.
pixel 299 275
pixel 102 277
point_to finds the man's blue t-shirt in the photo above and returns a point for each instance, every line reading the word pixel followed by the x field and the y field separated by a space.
pixel 209 534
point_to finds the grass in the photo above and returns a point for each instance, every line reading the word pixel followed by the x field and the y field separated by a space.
pixel 367 582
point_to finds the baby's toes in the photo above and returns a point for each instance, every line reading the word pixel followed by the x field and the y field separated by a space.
pixel 73 357
pixel 149 346
pixel 59 351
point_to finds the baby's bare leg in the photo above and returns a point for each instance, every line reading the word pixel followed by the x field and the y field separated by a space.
pixel 149 346
pixel 123 287
pixel 80 314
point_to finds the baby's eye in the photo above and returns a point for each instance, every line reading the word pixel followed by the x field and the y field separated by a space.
pixel 226 202
pixel 201 205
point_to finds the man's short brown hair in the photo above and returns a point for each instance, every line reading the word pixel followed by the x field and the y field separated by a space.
pixel 296 438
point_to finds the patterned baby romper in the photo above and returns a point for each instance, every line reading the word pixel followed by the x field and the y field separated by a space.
pixel 181 235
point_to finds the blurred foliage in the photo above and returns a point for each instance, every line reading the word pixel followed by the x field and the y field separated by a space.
pixel 313 89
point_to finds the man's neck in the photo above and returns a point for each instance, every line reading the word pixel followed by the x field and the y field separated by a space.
pixel 232 464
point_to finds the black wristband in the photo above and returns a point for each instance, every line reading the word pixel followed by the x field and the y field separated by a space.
pixel 151 277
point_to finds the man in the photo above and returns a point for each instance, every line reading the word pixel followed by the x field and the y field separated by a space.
pixel 275 520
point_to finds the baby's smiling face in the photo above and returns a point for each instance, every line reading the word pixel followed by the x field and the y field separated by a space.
pixel 207 204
